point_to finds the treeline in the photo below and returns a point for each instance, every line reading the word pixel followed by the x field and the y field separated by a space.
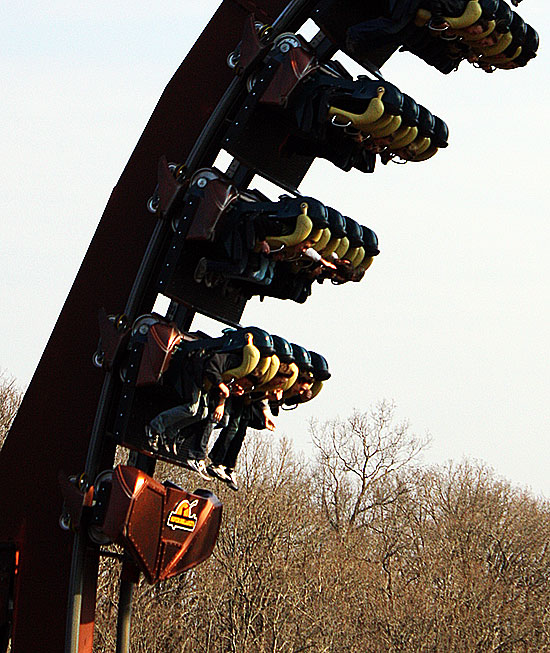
pixel 10 399
pixel 361 550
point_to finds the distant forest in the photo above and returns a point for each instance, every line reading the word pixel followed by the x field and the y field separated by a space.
pixel 360 548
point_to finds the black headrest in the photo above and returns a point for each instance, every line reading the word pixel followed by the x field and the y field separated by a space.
pixel 529 47
pixel 518 29
pixel 354 233
pixel 503 16
pixel 531 39
pixel 426 122
pixel 411 112
pixel 453 8
pixel 337 224
pixel 317 211
pixel 441 133
pixel 370 240
pixel 282 349
pixel 302 358
pixel 236 339
pixel 320 366
pixel 489 8
pixel 368 88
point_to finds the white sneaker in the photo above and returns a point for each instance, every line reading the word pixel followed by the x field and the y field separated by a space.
pixel 231 479
pixel 218 471
pixel 198 466
pixel 153 438
pixel 200 270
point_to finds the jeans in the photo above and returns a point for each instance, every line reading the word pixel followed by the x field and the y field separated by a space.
pixel 196 443
pixel 171 421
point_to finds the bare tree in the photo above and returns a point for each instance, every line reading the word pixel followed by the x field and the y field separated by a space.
pixel 357 463
pixel 10 399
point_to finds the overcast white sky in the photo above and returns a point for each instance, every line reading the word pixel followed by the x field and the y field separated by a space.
pixel 451 321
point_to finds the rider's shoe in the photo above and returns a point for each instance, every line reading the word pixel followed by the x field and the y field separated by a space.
pixel 218 471
pixel 198 466
pixel 200 270
pixel 153 438
pixel 232 479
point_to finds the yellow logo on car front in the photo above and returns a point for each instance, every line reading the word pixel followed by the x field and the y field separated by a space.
pixel 181 517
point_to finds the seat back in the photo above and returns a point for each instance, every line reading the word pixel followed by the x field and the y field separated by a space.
pixel 354 232
pixel 302 229
pixel 161 342
pixel 270 372
pixel 250 358
pixel 471 13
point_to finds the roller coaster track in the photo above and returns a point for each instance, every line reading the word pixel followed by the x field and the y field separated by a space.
pixel 84 559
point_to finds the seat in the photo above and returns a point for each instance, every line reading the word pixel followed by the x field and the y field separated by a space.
pixel 426 154
pixel 503 17
pixel 364 103
pixel 342 248
pixel 294 371
pixel 337 226
pixel 302 358
pixel 471 13
pixel 411 112
pixel 373 112
pixel 354 232
pixel 323 240
pixel 302 229
pixel 355 256
pixel 500 61
pixel 250 358
pixel 392 126
pixel 283 349
pixel 441 133
pixel 371 250
pixel 270 372
pixel 320 366
pixel 489 8
pixel 392 97
pixel 472 38
pixel 162 340
pixel 503 42
pixel 316 389
pixel 529 47
pixel 288 207
pixel 370 240
pixel 381 123
pixel 426 122
pixel 403 136
pixel 262 366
